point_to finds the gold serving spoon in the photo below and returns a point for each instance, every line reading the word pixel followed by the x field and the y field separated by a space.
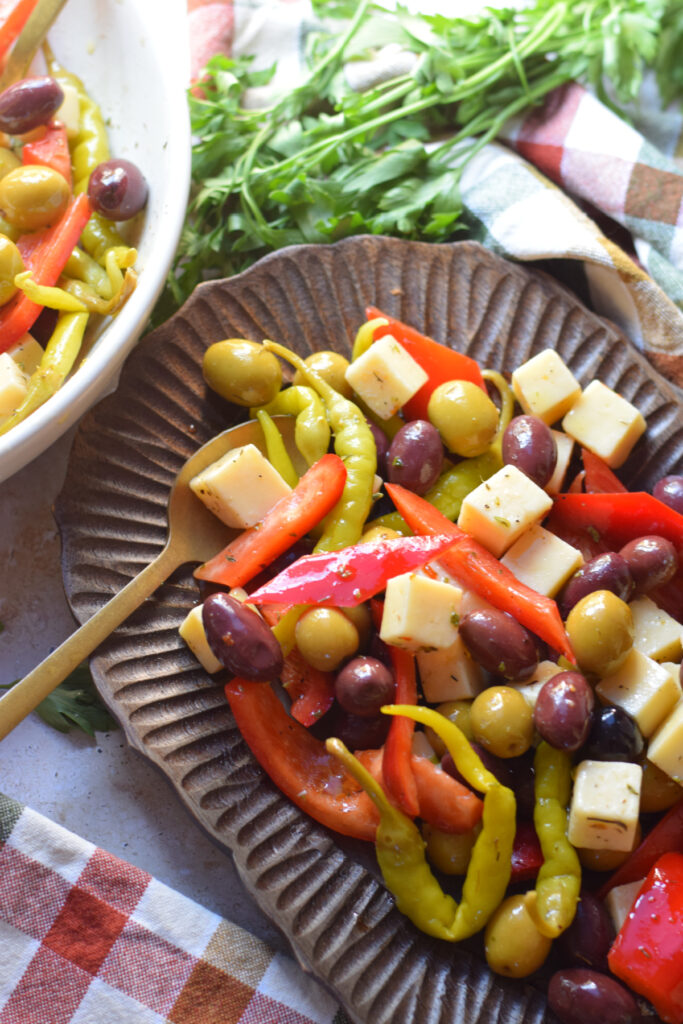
pixel 31 38
pixel 194 535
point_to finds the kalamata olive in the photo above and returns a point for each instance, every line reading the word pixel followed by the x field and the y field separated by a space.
pixel 502 721
pixel 651 560
pixel 356 732
pixel 363 686
pixel 600 629
pixel 562 713
pixel 529 445
pixel 415 456
pixel 587 941
pixel 117 189
pixel 608 571
pixel 499 643
pixel 28 104
pixel 240 639
pixel 670 491
pixel 382 446
pixel 613 736
pixel 465 417
pixel 577 995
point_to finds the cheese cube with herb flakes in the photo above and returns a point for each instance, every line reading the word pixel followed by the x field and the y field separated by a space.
pixel 385 377
pixel 13 385
pixel 666 746
pixel 657 633
pixel 420 614
pixel 565 449
pixel 643 689
pixel 543 561
pixel 545 387
pixel 604 423
pixel 449 673
pixel 532 686
pixel 604 808
pixel 502 508
pixel 241 487
pixel 193 633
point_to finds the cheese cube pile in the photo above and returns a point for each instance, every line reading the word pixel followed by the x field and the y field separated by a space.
pixel 502 508
pixel 241 487
pixel 605 804
pixel 565 449
pixel 532 686
pixel 385 377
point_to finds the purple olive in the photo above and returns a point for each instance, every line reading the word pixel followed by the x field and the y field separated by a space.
pixel 652 561
pixel 669 490
pixel 529 445
pixel 415 456
pixel 589 937
pixel 580 996
pixel 562 714
pixel 240 639
pixel 117 189
pixel 382 446
pixel 363 686
pixel 613 736
pixel 499 643
pixel 28 104
pixel 609 571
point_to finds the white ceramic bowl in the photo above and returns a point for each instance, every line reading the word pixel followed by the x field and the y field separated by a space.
pixel 130 57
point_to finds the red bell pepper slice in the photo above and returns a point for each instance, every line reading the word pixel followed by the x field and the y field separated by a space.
pixel 617 518
pixel 45 253
pixel 647 953
pixel 51 150
pixel 298 763
pixel 439 362
pixel 397 765
pixel 311 689
pixel 666 835
pixel 527 856
pixel 290 519
pixel 347 577
pixel 479 570
pixel 13 16
pixel 598 477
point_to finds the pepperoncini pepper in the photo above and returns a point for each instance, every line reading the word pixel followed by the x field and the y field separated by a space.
pixel 311 430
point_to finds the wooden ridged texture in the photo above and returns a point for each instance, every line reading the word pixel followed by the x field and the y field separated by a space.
pixel 323 893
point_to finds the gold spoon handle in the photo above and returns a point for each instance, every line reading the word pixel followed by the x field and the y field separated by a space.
pixel 28 693
pixel 30 40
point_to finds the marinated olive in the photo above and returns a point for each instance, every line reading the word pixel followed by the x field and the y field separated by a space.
pixel 498 767
pixel 379 533
pixel 464 415
pixel 652 561
pixel 529 445
pixel 606 859
pixel 382 446
pixel 326 638
pixel 670 491
pixel 499 643
pixel 502 721
pixel 331 366
pixel 562 713
pixel 29 103
pixel 608 571
pixel 415 457
pixel 33 196
pixel 658 791
pixel 117 189
pixel 363 686
pixel 242 371
pixel 513 944
pixel 8 161
pixel 11 264
pixel 600 630
pixel 356 732
pixel 577 995
pixel 456 711
pixel 587 941
pixel 449 852
pixel 240 639
pixel 613 736
pixel 361 618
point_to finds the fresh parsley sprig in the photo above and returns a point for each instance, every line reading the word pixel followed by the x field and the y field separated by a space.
pixel 75 702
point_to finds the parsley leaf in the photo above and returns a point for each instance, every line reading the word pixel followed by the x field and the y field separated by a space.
pixel 75 702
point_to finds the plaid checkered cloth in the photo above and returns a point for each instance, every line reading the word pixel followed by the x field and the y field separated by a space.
pixel 86 938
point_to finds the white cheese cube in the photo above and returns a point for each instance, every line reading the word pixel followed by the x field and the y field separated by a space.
pixel 13 385
pixel 604 808
pixel 449 673
pixel 472 602
pixel 531 687
pixel 542 560
pixel 657 634
pixel 69 112
pixel 193 633
pixel 385 377
pixel 604 423
pixel 545 387
pixel 619 901
pixel 565 448
pixel 666 746
pixel 27 354
pixel 241 487
pixel 501 508
pixel 645 690
pixel 420 613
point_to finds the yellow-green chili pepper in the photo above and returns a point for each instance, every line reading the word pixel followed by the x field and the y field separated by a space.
pixel 559 879
pixel 283 630
pixel 311 430
pixel 364 336
pixel 44 295
pixel 278 456
pixel 83 267
pixel 354 443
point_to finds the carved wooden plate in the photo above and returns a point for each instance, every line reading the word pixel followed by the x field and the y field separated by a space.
pixel 322 892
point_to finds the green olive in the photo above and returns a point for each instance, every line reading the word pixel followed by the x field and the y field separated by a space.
pixel 458 712
pixel 325 638
pixel 379 533
pixel 465 417
pixel 242 371
pixel 331 366
pixel 8 161
pixel 514 946
pixel 33 196
pixel 502 721
pixel 448 852
pixel 11 264
pixel 658 791
pixel 362 620
pixel 600 630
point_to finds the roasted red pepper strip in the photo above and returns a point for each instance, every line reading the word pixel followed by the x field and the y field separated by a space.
pixel 51 150
pixel 13 16
pixel 439 362
pixel 617 518
pixel 398 749
pixel 290 519
pixel 45 253
pixel 647 953
pixel 479 570
pixel 598 477
pixel 311 690
pixel 345 578
pixel 527 856
pixel 666 835
pixel 298 763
